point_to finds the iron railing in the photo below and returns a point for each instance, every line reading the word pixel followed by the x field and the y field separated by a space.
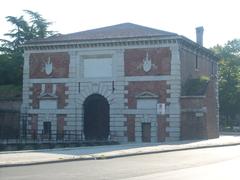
pixel 43 137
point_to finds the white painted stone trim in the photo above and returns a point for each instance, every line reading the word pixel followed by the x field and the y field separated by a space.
pixel 175 92
pixel 148 78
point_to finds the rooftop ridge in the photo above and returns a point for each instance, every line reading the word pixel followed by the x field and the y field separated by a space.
pixel 123 30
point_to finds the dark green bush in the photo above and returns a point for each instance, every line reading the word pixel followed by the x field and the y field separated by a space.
pixel 195 87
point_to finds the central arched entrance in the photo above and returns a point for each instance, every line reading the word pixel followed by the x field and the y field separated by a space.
pixel 96 117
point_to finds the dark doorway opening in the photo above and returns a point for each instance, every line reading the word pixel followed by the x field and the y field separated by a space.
pixel 146 132
pixel 96 117
pixel 47 128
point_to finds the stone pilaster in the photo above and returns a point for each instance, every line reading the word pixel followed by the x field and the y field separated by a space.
pixel 175 93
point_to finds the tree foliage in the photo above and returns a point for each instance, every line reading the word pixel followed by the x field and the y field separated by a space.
pixel 229 82
pixel 195 87
pixel 11 57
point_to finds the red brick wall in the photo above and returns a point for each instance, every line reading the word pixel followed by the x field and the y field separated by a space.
pixel 48 88
pixel 131 128
pixel 34 125
pixel 36 90
pixel 188 63
pixel 60 61
pixel 211 104
pixel 206 126
pixel 193 127
pixel 161 58
pixel 161 65
pixel 60 93
pixel 156 87
pixel 60 125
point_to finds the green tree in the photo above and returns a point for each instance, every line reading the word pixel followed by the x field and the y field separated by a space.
pixel 229 82
pixel 11 48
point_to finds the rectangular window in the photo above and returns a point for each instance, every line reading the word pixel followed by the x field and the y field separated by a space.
pixel 212 68
pixel 97 67
pixel 48 104
pixel 196 62
pixel 146 104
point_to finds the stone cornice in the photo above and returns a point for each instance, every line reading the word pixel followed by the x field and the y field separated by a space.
pixel 100 43
pixel 196 48
pixel 124 42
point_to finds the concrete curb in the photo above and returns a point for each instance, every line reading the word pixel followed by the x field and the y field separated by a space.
pixel 164 151
pixel 104 157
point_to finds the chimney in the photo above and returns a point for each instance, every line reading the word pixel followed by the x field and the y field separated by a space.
pixel 199 35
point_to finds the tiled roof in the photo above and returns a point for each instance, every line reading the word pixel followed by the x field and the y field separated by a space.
pixel 125 30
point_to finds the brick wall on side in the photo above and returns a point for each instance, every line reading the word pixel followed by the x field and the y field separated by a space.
pixel 211 116
pixel 192 127
pixel 188 65
pixel 206 126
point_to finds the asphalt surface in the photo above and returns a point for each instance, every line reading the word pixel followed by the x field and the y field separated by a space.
pixel 210 163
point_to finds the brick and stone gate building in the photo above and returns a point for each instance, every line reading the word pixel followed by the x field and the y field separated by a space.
pixel 123 82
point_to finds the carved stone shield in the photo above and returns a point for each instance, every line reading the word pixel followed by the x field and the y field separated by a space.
pixel 147 64
pixel 48 67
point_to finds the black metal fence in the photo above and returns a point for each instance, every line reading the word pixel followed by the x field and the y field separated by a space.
pixel 53 137
pixel 51 140
pixel 43 137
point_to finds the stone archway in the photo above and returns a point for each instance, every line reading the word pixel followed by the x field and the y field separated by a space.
pixel 96 117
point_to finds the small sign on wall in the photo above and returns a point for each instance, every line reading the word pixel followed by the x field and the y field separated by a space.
pixel 199 114
pixel 161 108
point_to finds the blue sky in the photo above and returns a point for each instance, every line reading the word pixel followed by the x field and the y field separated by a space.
pixel 220 18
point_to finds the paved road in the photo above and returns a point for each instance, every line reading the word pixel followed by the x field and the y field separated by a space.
pixel 212 163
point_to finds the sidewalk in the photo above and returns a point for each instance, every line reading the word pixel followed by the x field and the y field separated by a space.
pixel 18 158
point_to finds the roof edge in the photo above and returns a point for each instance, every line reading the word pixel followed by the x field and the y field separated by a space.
pixel 197 46
pixel 122 41
pixel 52 43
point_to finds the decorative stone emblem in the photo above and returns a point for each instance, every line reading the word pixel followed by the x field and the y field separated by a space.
pixel 48 67
pixel 147 64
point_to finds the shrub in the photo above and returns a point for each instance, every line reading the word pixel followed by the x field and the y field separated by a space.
pixel 195 87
